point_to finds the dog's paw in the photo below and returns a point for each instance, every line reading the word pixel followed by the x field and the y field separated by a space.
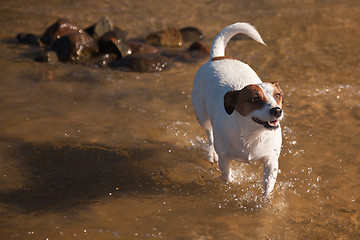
pixel 212 155
pixel 228 178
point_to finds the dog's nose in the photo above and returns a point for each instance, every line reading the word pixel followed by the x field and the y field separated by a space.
pixel 276 111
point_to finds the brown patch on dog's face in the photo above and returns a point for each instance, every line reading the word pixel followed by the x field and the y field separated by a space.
pixel 245 101
pixel 278 94
pixel 222 58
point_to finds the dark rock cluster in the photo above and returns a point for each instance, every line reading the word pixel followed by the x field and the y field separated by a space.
pixel 103 44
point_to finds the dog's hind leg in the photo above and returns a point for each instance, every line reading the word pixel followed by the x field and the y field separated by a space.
pixel 202 117
pixel 212 155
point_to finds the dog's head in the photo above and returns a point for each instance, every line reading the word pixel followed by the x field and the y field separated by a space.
pixel 262 103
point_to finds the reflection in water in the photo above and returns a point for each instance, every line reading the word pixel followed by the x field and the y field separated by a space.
pixel 103 154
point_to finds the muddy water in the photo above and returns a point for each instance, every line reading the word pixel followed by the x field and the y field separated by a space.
pixel 89 153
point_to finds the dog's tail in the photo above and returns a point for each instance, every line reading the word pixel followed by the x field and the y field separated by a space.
pixel 221 40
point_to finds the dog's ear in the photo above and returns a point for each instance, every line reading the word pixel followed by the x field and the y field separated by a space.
pixel 230 99
pixel 276 84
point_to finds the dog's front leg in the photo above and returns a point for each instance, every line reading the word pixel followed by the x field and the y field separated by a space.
pixel 212 155
pixel 224 165
pixel 271 169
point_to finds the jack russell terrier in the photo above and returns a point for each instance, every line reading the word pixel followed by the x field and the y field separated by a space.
pixel 239 112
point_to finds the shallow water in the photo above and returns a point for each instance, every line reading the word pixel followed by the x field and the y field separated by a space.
pixel 91 153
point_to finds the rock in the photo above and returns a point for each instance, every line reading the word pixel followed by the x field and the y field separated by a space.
pixel 143 63
pixel 199 50
pixel 74 47
pixel 47 56
pixel 100 60
pixel 28 38
pixel 194 53
pixel 105 59
pixel 120 33
pixel 111 42
pixel 170 38
pixel 100 28
pixel 141 48
pixel 191 34
pixel 60 28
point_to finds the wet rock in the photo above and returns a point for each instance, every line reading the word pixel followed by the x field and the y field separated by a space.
pixel 194 53
pixel 143 63
pixel 191 34
pixel 199 50
pixel 121 34
pixel 61 27
pixel 47 56
pixel 170 38
pixel 100 60
pixel 141 48
pixel 100 28
pixel 74 47
pixel 28 38
pixel 105 59
pixel 112 42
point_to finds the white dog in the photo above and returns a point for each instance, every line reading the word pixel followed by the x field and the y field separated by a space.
pixel 239 112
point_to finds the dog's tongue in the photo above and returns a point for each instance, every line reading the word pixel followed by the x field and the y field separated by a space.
pixel 273 123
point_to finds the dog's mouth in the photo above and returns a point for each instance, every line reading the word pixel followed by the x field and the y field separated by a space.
pixel 267 124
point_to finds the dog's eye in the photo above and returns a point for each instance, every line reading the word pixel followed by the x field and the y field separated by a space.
pixel 255 99
pixel 277 96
